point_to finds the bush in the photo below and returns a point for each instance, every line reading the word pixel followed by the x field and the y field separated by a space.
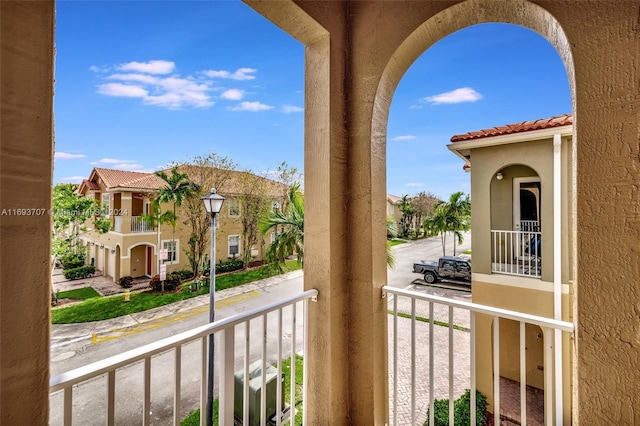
pixel 184 274
pixel 170 284
pixel 72 261
pixel 79 273
pixel 461 410
pixel 125 282
pixel 229 266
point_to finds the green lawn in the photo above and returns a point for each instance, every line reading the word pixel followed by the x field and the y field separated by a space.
pixel 193 419
pixel 395 242
pixel 101 308
pixel 78 294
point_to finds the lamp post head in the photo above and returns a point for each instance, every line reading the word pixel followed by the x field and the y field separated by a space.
pixel 276 205
pixel 213 202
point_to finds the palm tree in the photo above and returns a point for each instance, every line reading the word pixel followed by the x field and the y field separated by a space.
pixel 392 231
pixel 155 219
pixel 289 226
pixel 450 216
pixel 178 188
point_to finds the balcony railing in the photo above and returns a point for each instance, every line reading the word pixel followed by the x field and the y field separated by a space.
pixel 117 223
pixel 432 355
pixel 141 224
pixel 516 253
pixel 85 383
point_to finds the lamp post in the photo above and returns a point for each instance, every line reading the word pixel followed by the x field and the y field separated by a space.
pixel 212 204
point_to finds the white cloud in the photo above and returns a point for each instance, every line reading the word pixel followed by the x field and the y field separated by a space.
pixel 112 161
pixel 288 109
pixel 73 179
pixel 251 106
pixel 239 74
pixel 95 68
pixel 414 184
pixel 171 92
pixel 415 107
pixel 67 156
pixel 150 67
pixel 133 167
pixel 232 94
pixel 404 138
pixel 122 90
pixel 463 94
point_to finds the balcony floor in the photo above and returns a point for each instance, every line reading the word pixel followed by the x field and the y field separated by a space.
pixel 510 404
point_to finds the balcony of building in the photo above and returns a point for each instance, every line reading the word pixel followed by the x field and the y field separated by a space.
pixel 432 354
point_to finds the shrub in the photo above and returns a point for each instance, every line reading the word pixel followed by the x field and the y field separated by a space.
pixel 229 266
pixel 125 282
pixel 78 273
pixel 184 274
pixel 461 410
pixel 170 284
pixel 72 261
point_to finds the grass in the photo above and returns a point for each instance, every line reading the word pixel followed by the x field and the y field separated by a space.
pixel 395 242
pixel 101 308
pixel 78 294
pixel 435 322
pixel 193 419
pixel 467 252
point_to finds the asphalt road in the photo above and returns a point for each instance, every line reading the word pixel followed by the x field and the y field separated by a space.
pixel 89 398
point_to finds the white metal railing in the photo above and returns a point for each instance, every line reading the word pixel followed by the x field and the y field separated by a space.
pixel 450 327
pixel 529 225
pixel 141 224
pixel 72 381
pixel 516 253
pixel 117 223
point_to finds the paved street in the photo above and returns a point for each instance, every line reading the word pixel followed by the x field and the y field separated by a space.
pixel 77 345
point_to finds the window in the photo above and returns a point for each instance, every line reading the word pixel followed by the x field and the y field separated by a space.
pixel 105 204
pixel 273 237
pixel 234 207
pixel 234 245
pixel 172 251
pixel 390 209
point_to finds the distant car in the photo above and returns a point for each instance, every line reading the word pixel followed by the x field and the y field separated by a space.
pixel 447 268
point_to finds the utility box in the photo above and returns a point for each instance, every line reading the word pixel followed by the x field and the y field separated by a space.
pixel 255 392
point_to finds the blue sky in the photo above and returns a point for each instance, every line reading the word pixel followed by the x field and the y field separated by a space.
pixel 141 84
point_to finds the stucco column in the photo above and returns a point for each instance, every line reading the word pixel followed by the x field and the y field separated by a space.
pixel 26 159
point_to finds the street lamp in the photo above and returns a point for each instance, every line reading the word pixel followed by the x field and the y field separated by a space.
pixel 213 205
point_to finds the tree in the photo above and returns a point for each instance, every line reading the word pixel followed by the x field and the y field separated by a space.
pixel 156 219
pixel 70 214
pixel 290 225
pixel 423 204
pixel 392 231
pixel 178 188
pixel 208 171
pixel 253 206
pixel 406 207
pixel 450 216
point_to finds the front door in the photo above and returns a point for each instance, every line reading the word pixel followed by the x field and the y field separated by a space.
pixel 527 196
pixel 149 262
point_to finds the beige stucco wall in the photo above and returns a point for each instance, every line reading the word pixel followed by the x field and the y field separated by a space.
pixel 355 55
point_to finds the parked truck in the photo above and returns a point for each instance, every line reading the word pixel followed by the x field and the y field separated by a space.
pixel 447 268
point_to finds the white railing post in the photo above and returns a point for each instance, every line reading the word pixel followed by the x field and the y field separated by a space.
pixel 227 367
pixel 496 371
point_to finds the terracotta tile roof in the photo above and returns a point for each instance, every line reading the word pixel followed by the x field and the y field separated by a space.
pixel 525 126
pixel 127 179
pixel 91 186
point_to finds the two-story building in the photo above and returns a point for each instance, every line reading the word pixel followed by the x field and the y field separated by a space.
pixel 133 244
pixel 522 253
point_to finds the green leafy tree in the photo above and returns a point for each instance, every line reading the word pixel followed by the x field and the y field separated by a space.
pixel 253 206
pixel 289 223
pixel 157 218
pixel 71 213
pixel 408 212
pixel 392 232
pixel 178 188
pixel 208 171
pixel 450 216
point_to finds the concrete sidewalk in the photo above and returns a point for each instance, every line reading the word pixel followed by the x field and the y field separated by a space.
pixel 64 332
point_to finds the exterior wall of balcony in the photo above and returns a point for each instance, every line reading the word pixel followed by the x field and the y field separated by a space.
pixel 536 299
pixel 492 207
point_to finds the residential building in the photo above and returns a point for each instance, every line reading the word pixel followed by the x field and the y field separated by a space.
pixel 393 208
pixel 356 52
pixel 131 246
pixel 522 218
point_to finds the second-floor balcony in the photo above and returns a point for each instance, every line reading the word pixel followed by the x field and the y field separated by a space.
pixel 141 224
pixel 434 347
pixel 516 252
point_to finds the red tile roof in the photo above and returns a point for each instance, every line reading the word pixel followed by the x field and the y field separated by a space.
pixel 126 179
pixel 525 126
